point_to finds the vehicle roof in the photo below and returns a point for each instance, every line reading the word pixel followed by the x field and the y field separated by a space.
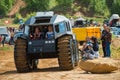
pixel 3 30
pixel 3 27
pixel 114 16
pixel 53 19
pixel 80 19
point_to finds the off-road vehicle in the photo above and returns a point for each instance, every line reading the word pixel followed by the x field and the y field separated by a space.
pixel 63 45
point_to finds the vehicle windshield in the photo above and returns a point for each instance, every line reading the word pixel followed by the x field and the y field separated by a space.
pixel 41 32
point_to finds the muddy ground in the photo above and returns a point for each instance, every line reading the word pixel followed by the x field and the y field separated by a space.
pixel 48 70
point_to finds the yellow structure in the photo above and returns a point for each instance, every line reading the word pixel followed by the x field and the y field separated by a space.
pixel 83 32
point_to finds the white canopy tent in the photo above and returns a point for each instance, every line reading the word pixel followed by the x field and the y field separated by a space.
pixel 114 16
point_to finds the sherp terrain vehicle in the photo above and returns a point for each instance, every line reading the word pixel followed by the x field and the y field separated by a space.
pixel 63 45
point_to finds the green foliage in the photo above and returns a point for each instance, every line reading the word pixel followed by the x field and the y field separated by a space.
pixel 6 48
pixel 45 5
pixel 39 5
pixel 96 7
pixel 100 8
pixel 115 7
pixel 5 6
pixel 29 15
pixel 65 2
pixel 17 17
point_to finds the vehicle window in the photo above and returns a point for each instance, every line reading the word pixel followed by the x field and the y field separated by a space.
pixel 62 27
pixel 79 23
pixel 68 26
pixel 57 28
pixel 26 30
pixel 3 30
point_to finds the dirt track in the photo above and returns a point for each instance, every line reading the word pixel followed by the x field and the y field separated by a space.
pixel 48 70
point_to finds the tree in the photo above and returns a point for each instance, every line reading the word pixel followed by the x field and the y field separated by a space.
pixel 115 7
pixel 5 6
pixel 37 5
pixel 99 7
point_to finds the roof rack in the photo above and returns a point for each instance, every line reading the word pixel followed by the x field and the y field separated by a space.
pixel 44 14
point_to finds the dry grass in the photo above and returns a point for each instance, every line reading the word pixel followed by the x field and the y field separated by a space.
pixel 115 48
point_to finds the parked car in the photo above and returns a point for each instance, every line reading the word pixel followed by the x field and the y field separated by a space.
pixel 4 32
pixel 115 29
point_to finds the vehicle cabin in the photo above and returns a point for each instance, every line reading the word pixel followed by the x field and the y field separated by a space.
pixel 49 29
pixel 46 36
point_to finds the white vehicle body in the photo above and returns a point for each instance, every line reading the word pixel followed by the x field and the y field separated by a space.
pixel 115 29
pixel 5 32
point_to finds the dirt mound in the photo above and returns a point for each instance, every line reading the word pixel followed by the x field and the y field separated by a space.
pixel 116 42
pixel 101 65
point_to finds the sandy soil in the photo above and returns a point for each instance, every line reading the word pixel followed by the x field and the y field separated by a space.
pixel 48 70
pixel 116 42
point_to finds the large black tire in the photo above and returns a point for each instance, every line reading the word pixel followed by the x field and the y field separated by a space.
pixel 66 56
pixel 76 52
pixel 20 56
pixel 22 62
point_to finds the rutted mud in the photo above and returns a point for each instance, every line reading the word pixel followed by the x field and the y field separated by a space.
pixel 48 70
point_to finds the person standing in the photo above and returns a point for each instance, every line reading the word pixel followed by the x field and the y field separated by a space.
pixel 3 40
pixel 0 40
pixel 103 39
pixel 11 37
pixel 108 38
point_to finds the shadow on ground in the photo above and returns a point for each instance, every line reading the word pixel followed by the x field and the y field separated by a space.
pixel 51 69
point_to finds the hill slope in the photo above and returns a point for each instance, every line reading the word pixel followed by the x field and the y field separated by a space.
pixel 17 6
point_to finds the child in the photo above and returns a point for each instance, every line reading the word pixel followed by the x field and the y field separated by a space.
pixel 89 53
pixel 84 48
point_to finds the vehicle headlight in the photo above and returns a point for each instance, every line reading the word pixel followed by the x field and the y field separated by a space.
pixel 50 41
pixel 30 43
pixel 53 41
pixel 46 42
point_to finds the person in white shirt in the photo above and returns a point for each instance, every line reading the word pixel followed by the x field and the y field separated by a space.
pixel 49 34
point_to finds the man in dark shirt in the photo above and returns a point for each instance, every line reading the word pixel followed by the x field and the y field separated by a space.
pixel 104 32
pixel 108 39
